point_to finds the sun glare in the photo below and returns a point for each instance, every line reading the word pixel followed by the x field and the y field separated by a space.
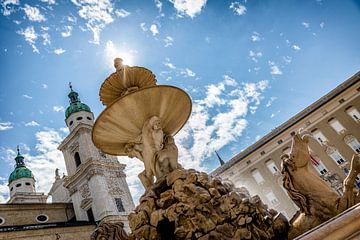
pixel 112 52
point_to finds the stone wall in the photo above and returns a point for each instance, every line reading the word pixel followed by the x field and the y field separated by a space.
pixel 61 233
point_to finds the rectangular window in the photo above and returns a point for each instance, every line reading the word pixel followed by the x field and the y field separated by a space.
pixel 336 156
pixel 319 166
pixel 320 137
pixel 272 198
pixel 119 205
pixel 337 126
pixel 257 176
pixel 272 167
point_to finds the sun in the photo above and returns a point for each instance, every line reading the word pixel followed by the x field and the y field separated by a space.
pixel 112 51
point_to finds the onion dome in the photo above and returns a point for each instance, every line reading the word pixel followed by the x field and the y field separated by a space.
pixel 75 104
pixel 20 171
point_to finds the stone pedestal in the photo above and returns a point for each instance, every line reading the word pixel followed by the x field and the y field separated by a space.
pixel 186 204
pixel 346 225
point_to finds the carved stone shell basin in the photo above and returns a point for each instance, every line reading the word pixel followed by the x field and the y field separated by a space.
pixel 122 121
pixel 117 84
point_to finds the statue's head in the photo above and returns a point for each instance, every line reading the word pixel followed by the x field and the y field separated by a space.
pixel 118 63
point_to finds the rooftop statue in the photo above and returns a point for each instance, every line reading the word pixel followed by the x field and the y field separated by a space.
pixel 317 201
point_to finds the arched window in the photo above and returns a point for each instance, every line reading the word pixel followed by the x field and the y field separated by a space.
pixel 77 159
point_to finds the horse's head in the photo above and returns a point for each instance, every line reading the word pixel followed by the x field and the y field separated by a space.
pixel 300 154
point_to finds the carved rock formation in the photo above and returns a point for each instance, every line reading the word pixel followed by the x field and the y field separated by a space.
pixel 186 204
pixel 110 231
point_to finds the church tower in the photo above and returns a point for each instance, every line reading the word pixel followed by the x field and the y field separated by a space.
pixel 96 181
pixel 22 184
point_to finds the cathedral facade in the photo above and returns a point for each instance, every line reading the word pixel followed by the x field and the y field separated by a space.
pixel 93 190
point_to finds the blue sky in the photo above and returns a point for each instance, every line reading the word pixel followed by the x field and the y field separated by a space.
pixel 248 66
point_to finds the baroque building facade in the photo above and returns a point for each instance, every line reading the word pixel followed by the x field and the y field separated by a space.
pixel 94 189
pixel 334 123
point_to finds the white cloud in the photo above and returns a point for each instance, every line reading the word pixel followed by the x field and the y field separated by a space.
pixel 50 2
pixel 168 41
pixel 97 14
pixel 30 36
pixel 238 8
pixel 71 19
pixel 255 37
pixel 47 159
pixel 58 109
pixel 169 64
pixel 271 100
pixel 5 126
pixel 322 24
pixel 143 27
pixel 255 55
pixel 44 85
pixel 8 6
pixel 46 38
pixel 158 4
pixel 67 31
pixel 4 190
pixel 33 14
pixel 27 96
pixel 154 29
pixel 287 59
pixel 122 13
pixel 59 51
pixel 189 7
pixel 305 24
pixel 32 124
pixel 187 72
pixel 275 70
pixel 296 47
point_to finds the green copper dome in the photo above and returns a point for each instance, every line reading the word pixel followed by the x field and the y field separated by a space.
pixel 20 171
pixel 75 104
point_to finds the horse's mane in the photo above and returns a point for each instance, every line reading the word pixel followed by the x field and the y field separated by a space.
pixel 300 199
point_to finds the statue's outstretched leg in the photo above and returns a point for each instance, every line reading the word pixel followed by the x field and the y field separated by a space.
pixel 349 198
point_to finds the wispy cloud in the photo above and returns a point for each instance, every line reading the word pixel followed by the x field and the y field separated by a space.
pixel 275 70
pixel 143 27
pixel 6 126
pixel 50 2
pixel 58 109
pixel 168 41
pixel 44 86
pixel 296 47
pixel 322 24
pixel 97 14
pixel 30 36
pixel 33 14
pixel 255 37
pixel 255 55
pixel 168 64
pixel 59 51
pixel 271 100
pixel 8 6
pixel 238 8
pixel 67 31
pixel 27 96
pixel 154 29
pixel 32 124
pixel 305 24
pixel 122 13
pixel 188 8
pixel 187 72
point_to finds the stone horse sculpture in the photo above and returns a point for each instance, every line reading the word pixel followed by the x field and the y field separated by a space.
pixel 317 201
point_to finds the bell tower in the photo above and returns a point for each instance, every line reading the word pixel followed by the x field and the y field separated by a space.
pixel 96 181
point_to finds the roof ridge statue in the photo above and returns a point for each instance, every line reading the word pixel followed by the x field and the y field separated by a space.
pixel 317 201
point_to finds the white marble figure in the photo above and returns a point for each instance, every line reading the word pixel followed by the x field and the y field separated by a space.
pixel 157 150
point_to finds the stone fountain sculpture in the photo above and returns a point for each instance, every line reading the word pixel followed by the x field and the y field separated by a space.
pixel 140 121
pixel 317 201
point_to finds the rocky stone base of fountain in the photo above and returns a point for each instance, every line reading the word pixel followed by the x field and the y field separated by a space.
pixel 186 204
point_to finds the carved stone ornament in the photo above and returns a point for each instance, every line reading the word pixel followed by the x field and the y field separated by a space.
pixel 93 172
pixel 348 139
pixel 114 185
pixel 110 231
pixel 317 201
pixel 84 190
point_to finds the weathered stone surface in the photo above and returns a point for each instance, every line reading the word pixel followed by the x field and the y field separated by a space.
pixel 191 205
